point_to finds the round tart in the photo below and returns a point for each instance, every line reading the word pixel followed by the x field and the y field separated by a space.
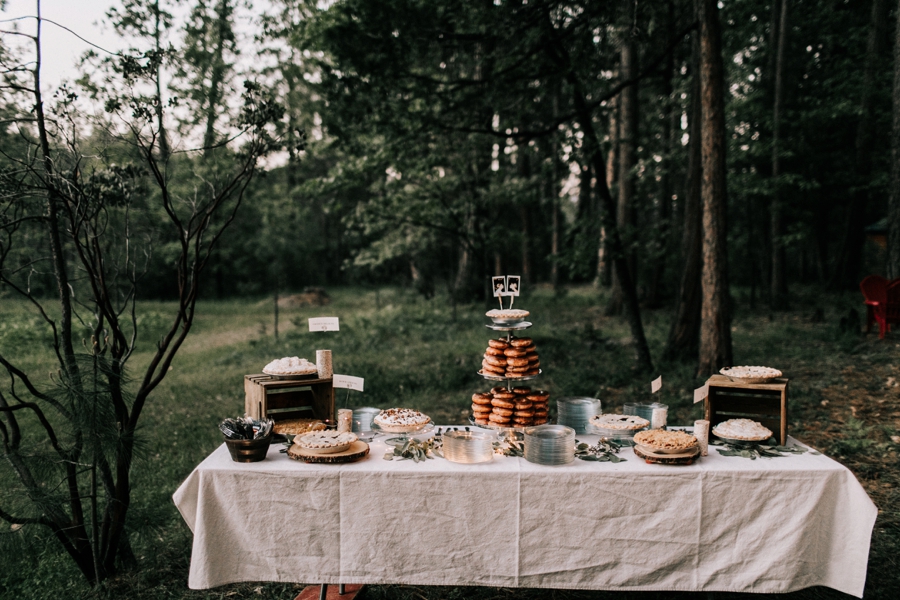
pixel 325 442
pixel 665 442
pixel 745 430
pixel 507 315
pixel 747 374
pixel 400 420
pixel 290 365
pixel 620 422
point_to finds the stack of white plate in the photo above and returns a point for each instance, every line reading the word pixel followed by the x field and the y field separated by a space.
pixel 468 447
pixel 576 412
pixel 550 444
pixel 362 418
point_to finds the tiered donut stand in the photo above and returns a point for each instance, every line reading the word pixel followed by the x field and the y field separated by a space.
pixel 499 325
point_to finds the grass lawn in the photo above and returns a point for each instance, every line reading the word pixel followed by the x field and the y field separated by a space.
pixel 844 393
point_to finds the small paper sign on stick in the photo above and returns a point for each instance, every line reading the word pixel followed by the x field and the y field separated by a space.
pixel 348 382
pixel 324 324
pixel 701 393
pixel 656 385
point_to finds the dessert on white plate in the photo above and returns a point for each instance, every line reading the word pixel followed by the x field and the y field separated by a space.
pixel 401 420
pixel 745 430
pixel 748 374
pixel 619 422
pixel 290 365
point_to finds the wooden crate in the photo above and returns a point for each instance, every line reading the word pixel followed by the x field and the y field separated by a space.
pixel 763 402
pixel 280 399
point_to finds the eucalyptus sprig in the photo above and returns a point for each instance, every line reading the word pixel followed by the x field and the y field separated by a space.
pixel 510 446
pixel 415 450
pixel 605 450
pixel 758 450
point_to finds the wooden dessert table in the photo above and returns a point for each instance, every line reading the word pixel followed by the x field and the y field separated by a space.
pixel 721 524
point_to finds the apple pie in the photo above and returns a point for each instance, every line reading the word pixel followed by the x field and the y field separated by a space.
pixel 659 440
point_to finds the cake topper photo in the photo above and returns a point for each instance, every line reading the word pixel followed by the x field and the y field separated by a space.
pixel 499 285
pixel 506 286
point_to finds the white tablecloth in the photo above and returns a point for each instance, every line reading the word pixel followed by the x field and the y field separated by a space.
pixel 722 524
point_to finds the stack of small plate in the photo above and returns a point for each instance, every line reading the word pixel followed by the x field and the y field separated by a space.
pixel 362 418
pixel 550 444
pixel 468 447
pixel 576 412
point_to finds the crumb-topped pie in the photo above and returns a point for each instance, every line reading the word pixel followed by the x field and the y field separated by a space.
pixel 742 429
pixel 325 442
pixel 290 365
pixel 668 442
pixel 748 374
pixel 297 426
pixel 400 420
pixel 620 422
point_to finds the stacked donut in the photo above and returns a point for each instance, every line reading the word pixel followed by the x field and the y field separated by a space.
pixel 518 407
pixel 515 357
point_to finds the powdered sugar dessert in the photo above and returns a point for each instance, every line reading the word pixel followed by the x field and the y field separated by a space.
pixel 742 429
pixel 619 422
pixel 290 365
pixel 748 374
pixel 400 420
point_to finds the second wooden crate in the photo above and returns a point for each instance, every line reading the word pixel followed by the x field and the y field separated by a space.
pixel 280 399
pixel 766 403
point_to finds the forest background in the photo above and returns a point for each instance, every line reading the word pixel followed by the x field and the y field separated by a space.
pixel 682 158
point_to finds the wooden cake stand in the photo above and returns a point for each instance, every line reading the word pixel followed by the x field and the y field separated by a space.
pixel 356 451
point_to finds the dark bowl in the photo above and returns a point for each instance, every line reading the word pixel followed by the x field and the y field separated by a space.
pixel 249 450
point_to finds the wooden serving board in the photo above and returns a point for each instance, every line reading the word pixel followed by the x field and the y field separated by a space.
pixel 356 451
pixel 667 459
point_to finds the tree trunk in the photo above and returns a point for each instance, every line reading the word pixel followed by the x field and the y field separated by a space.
pixel 628 131
pixel 559 53
pixel 684 336
pixel 893 254
pixel 664 202
pixel 604 264
pixel 715 315
pixel 778 291
pixel 217 74
pixel 157 41
pixel 847 273
pixel 553 198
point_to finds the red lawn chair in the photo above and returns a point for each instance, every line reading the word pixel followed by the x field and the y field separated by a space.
pixel 882 300
pixel 874 290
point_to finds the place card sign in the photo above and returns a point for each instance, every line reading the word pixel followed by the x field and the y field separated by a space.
pixel 347 382
pixel 656 385
pixel 324 324
pixel 701 393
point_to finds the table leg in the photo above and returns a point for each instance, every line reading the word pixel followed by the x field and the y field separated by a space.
pixel 323 591
pixel 340 589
